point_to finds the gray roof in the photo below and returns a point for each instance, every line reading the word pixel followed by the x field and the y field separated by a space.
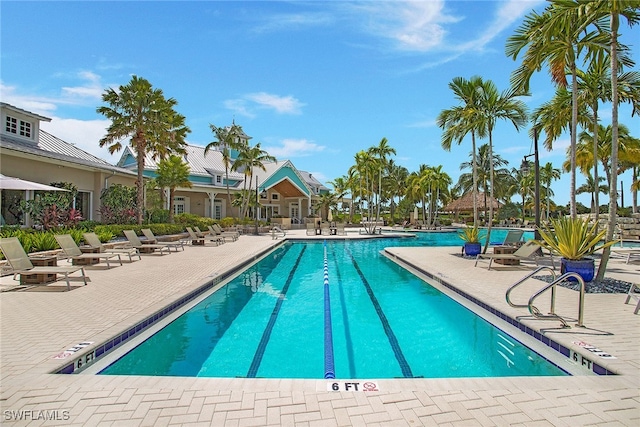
pixel 54 148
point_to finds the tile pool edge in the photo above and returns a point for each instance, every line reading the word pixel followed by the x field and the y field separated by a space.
pixel 92 353
pixel 597 368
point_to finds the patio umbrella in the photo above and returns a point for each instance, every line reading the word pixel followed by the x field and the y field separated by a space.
pixel 10 183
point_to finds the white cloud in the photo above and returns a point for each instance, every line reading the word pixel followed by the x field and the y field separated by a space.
pixel 246 105
pixel 84 134
pixel 290 148
pixel 282 104
pixel 413 25
pixel 279 22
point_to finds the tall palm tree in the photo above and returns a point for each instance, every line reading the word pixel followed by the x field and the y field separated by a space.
pixel 227 139
pixel 547 174
pixel 590 187
pixel 438 183
pixel 340 188
pixel 380 153
pixel 139 111
pixel 496 106
pixel 173 172
pixel 250 158
pixel 395 183
pixel 460 120
pixel 555 37
pixel 522 185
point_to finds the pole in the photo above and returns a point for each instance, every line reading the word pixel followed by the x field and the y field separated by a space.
pixel 537 178
pixel 257 205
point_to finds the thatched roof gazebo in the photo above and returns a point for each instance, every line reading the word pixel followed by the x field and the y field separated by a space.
pixel 465 203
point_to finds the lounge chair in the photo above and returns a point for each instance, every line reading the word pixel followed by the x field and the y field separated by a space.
pixel 152 238
pixel 513 238
pixel 73 252
pixel 632 294
pixel 527 251
pixel 215 230
pixel 325 229
pixel 21 264
pixel 277 232
pixel 93 241
pixel 201 240
pixel 340 229
pixel 629 252
pixel 311 229
pixel 135 242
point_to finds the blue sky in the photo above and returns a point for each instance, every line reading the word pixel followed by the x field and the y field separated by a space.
pixel 314 82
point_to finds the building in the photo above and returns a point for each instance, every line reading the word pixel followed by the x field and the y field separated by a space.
pixel 29 153
pixel 284 190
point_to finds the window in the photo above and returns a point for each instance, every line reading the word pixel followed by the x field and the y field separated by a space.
pixel 275 196
pixel 218 179
pixel 18 127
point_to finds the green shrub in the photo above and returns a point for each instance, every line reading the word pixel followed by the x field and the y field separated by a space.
pixel 42 242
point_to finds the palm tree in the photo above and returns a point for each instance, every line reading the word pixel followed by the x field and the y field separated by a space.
pixel 395 183
pixel 364 170
pixel 138 111
pixel 591 187
pixel 496 106
pixel 547 174
pixel 522 185
pixel 458 121
pixel 438 183
pixel 173 172
pixel 227 139
pixel 325 203
pixel 381 153
pixel 248 159
pixel 556 37
pixel 340 188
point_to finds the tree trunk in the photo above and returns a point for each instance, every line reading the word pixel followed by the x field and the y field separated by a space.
pixel 171 191
pixel 613 186
pixel 486 243
pixel 574 134
pixel 140 148
pixel 474 167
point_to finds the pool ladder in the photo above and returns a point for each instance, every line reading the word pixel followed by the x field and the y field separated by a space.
pixel 552 315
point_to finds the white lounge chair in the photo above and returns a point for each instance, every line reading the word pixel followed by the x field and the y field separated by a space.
pixel 135 242
pixel 527 251
pixel 201 239
pixel 629 252
pixel 92 240
pixel 21 264
pixel 152 238
pixel 73 253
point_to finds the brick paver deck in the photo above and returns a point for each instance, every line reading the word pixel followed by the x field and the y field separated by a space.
pixel 37 325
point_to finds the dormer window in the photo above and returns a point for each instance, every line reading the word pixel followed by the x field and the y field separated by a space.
pixel 18 127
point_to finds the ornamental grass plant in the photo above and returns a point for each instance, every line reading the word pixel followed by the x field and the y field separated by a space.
pixel 573 239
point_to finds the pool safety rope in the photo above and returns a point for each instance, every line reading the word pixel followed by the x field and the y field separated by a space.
pixel 329 368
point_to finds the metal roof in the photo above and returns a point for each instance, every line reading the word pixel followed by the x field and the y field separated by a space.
pixel 51 147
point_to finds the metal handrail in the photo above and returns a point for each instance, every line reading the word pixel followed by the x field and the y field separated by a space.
pixel 519 282
pixel 536 313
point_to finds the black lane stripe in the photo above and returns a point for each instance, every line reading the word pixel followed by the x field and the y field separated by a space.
pixel 393 341
pixel 345 318
pixel 266 335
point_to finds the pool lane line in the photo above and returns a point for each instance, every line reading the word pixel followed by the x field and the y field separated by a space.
pixel 393 341
pixel 329 365
pixel 266 335
pixel 345 317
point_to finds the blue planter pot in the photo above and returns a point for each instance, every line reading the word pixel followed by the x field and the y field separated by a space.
pixel 584 267
pixel 472 249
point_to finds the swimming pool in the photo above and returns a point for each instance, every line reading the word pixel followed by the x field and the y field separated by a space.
pixel 387 323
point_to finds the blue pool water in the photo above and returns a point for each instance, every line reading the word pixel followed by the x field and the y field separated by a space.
pixel 269 322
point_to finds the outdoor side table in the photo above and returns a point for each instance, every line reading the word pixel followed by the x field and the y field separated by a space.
pixel 506 250
pixel 87 261
pixel 38 278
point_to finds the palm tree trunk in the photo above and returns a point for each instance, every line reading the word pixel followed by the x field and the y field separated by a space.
pixel 140 181
pixel 486 243
pixel 574 130
pixel 171 191
pixel 596 200
pixel 613 186
pixel 475 178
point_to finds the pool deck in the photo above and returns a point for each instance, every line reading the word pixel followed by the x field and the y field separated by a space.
pixel 37 325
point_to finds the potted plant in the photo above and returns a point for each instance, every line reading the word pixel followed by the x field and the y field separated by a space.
pixel 574 240
pixel 471 237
